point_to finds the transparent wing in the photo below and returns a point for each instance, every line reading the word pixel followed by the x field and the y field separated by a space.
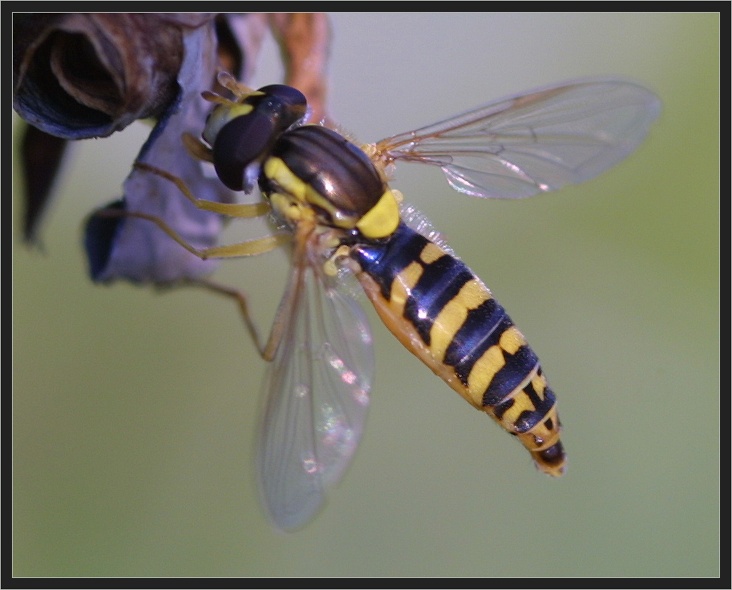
pixel 531 143
pixel 316 398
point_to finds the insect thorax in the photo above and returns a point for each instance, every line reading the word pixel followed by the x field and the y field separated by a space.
pixel 316 174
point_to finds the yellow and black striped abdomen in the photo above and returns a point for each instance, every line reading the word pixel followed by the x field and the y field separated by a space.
pixel 446 316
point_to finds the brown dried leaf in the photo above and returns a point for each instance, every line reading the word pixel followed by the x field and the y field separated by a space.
pixel 41 154
pixel 304 40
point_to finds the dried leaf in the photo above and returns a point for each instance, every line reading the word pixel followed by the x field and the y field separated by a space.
pixel 304 40
pixel 135 249
pixel 41 154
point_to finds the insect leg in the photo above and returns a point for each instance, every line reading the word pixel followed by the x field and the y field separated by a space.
pixel 293 291
pixel 291 296
pixel 241 301
pixel 196 148
pixel 240 249
pixel 284 312
pixel 282 316
pixel 230 209
pixel 239 90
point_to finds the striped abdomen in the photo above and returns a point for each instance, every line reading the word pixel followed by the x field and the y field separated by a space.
pixel 448 318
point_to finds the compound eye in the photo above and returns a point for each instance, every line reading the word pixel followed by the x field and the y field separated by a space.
pixel 293 103
pixel 239 144
pixel 287 94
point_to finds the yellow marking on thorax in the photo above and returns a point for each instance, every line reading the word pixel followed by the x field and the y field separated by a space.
pixel 453 315
pixel 279 172
pixel 290 209
pixel 382 219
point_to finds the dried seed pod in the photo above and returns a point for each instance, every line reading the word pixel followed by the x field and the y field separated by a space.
pixel 88 75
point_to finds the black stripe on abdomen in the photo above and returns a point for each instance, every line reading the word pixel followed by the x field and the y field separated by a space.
pixel 384 260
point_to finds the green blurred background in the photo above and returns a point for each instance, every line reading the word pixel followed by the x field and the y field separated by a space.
pixel 133 411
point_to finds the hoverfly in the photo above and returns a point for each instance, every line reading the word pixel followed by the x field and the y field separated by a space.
pixel 337 210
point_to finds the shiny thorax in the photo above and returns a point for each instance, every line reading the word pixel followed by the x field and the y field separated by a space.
pixel 314 171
